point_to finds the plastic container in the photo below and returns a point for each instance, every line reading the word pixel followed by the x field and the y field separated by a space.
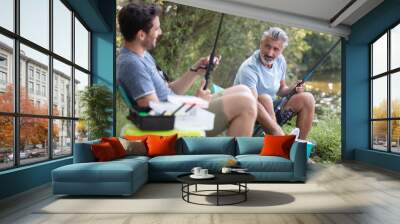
pixel 144 121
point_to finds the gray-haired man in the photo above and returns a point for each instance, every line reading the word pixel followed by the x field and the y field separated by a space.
pixel 264 73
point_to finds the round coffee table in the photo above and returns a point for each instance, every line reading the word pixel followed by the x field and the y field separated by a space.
pixel 238 179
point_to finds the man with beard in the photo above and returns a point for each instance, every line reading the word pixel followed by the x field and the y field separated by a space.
pixel 264 73
pixel 235 108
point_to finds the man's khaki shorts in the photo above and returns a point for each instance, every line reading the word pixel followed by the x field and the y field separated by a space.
pixel 220 121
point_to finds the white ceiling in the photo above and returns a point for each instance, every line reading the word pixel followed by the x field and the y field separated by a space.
pixel 316 15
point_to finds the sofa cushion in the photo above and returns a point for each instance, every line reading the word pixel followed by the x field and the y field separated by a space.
pixel 103 152
pixel 161 145
pixel 112 171
pixel 185 163
pixel 134 147
pixel 257 163
pixel 208 145
pixel 249 145
pixel 129 159
pixel 83 152
pixel 116 145
pixel 277 145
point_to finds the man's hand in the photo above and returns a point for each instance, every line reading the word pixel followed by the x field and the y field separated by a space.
pixel 200 66
pixel 204 94
pixel 299 87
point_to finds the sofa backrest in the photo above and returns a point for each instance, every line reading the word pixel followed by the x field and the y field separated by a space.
pixel 208 145
pixel 83 152
pixel 249 145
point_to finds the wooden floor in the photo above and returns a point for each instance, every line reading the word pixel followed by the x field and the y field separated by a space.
pixel 378 188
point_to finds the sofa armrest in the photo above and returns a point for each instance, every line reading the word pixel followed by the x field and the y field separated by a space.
pixel 298 155
pixel 83 152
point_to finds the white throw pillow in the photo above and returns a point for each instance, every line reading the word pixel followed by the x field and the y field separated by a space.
pixel 137 147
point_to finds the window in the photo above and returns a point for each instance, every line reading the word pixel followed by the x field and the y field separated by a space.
pixel 62 29
pixel 41 83
pixel 30 87
pixel 3 72
pixel 34 21
pixel 6 73
pixel 385 96
pixel 81 45
pixel 7 14
pixel 3 61
pixel 38 89
pixel 62 75
pixel 37 75
pixel 44 77
pixel 44 91
pixel 3 78
pixel 30 73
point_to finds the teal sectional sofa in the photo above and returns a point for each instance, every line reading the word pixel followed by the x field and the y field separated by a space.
pixel 125 176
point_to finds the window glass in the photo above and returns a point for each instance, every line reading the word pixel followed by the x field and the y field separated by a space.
pixel 395 138
pixel 33 140
pixel 7 14
pixel 81 131
pixel 34 21
pixel 379 135
pixel 395 47
pixel 379 97
pixel 81 82
pixel 62 91
pixel 81 45
pixel 6 74
pixel 395 95
pixel 379 56
pixel 39 62
pixel 6 142
pixel 62 138
pixel 62 29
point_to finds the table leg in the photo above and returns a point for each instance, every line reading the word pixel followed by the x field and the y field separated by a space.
pixel 245 191
pixel 217 194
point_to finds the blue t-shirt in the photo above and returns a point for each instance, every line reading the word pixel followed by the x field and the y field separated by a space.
pixel 140 77
pixel 263 80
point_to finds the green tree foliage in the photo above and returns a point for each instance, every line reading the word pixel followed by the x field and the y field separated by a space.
pixel 96 102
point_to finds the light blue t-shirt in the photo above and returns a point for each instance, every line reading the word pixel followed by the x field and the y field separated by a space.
pixel 139 76
pixel 255 75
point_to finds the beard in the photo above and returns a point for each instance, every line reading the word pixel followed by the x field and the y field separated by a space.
pixel 268 59
pixel 150 44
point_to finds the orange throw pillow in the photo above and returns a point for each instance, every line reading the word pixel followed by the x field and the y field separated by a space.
pixel 161 145
pixel 136 138
pixel 277 145
pixel 103 152
pixel 116 145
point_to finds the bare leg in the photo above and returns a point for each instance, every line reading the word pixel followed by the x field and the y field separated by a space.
pixel 304 105
pixel 268 104
pixel 267 122
pixel 240 109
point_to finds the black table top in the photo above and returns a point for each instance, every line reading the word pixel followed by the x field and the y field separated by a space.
pixel 220 178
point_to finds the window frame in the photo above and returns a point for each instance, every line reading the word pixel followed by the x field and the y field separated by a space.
pixel 16 114
pixel 388 74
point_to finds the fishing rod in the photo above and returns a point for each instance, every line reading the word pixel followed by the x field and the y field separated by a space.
pixel 308 75
pixel 211 62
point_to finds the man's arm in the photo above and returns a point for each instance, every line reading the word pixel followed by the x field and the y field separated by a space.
pixel 145 100
pixel 284 90
pixel 183 83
